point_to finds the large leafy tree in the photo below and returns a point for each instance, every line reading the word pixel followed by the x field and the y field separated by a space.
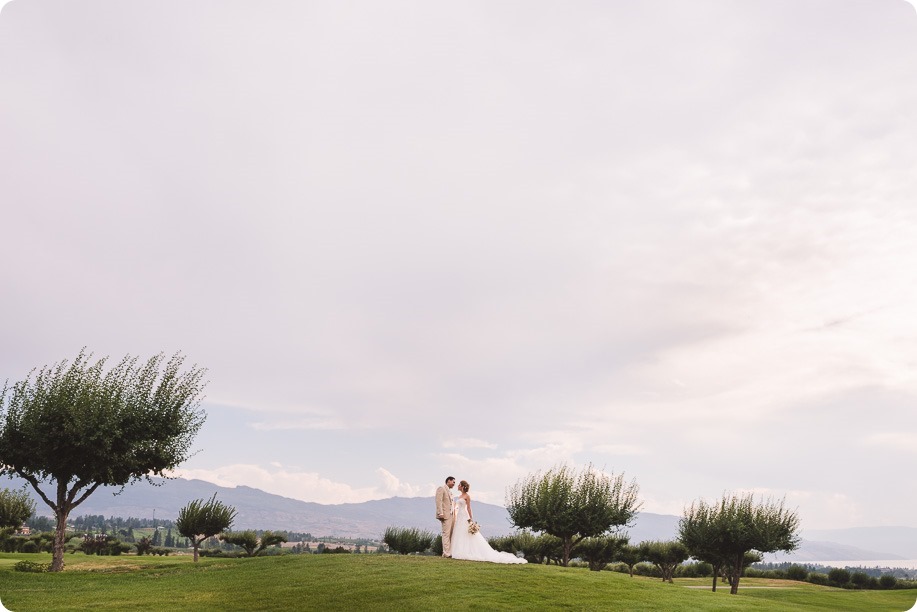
pixel 201 519
pixel 572 505
pixel 15 508
pixel 73 427
pixel 728 533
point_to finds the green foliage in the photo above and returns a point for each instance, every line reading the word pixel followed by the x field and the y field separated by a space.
pixel 700 569
pixel 572 506
pixel 796 572
pixel 249 541
pixel 30 566
pixel 75 427
pixel 664 555
pixel 543 548
pixel 144 545
pixel 860 580
pixel 29 547
pixel 838 577
pixel 887 581
pixel 407 540
pixel 725 533
pixel 15 508
pixel 599 551
pixel 817 578
pixel 629 555
pixel 201 519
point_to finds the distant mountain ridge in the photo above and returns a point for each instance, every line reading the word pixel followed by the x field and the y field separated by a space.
pixel 257 509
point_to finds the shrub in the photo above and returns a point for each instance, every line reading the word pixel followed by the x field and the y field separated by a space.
pixel 887 581
pixel 29 547
pixel 647 569
pixel 438 546
pixel 31 566
pixel 407 540
pixel 839 577
pixel 339 550
pixel 699 569
pixel 817 578
pixel 860 580
pixel 796 572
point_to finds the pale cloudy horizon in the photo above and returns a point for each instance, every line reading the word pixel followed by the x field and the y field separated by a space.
pixel 408 240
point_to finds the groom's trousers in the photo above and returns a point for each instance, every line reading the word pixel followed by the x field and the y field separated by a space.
pixel 447 534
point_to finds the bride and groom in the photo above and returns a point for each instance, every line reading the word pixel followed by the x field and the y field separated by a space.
pixel 461 537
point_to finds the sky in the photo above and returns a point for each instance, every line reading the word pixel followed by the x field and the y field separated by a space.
pixel 674 240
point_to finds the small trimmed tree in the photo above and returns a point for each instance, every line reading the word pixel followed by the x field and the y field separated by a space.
pixel 74 427
pixel 572 506
pixel 629 555
pixel 249 541
pixel 598 552
pixel 664 555
pixel 15 508
pixel 201 519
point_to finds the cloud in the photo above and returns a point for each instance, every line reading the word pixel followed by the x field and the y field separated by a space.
pixel 895 441
pixel 302 485
pixel 468 443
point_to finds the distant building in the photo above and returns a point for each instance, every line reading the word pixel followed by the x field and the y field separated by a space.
pixel 24 530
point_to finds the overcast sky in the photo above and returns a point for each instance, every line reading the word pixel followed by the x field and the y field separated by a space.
pixel 410 239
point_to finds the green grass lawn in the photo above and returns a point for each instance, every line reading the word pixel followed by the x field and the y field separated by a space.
pixel 388 582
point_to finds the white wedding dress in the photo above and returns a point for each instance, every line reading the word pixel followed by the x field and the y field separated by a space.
pixel 473 547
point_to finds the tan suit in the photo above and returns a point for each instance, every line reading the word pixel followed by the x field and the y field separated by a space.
pixel 445 516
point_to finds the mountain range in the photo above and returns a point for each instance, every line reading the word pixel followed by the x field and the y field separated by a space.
pixel 257 509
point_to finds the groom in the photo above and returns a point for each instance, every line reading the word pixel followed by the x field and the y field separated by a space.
pixel 444 514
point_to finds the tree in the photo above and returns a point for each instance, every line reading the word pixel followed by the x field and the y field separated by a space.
pixel 572 506
pixel 144 545
pixel 598 552
pixel 630 556
pixel 664 555
pixel 839 577
pixel 201 519
pixel 15 508
pixel 248 540
pixel 722 533
pixel 74 427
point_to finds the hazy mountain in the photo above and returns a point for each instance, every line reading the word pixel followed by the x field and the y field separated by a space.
pixel 901 541
pixel 257 509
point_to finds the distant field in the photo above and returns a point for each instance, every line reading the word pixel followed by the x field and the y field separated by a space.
pixel 387 582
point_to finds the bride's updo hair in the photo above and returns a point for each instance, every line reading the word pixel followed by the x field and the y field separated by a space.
pixel 464 486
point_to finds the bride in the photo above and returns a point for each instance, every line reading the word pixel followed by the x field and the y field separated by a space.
pixel 473 546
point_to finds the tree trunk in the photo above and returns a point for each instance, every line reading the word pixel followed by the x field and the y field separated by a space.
pixel 734 579
pixel 195 544
pixel 568 548
pixel 716 575
pixel 60 540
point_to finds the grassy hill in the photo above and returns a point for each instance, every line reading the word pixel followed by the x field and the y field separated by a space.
pixel 389 582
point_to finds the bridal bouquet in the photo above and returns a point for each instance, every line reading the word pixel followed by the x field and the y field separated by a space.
pixel 473 528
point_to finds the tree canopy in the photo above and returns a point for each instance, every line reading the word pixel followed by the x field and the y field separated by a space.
pixel 249 541
pixel 727 533
pixel 15 508
pixel 76 426
pixel 571 505
pixel 202 519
